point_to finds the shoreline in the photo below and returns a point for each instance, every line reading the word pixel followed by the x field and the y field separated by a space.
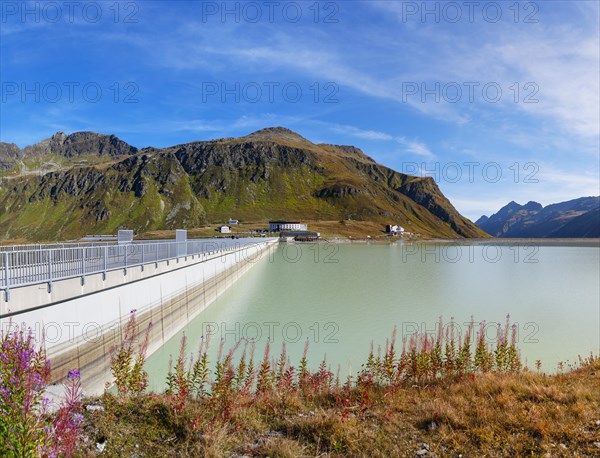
pixel 390 240
pixel 592 243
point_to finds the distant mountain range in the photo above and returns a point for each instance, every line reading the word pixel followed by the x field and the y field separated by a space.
pixel 88 183
pixel 578 218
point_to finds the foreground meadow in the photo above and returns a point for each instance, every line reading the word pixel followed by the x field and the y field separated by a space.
pixel 444 396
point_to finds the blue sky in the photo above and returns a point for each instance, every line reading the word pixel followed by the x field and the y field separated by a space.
pixel 498 101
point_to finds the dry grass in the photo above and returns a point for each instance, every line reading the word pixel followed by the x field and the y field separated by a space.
pixel 484 415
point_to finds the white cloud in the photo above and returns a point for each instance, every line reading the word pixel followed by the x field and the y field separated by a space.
pixel 565 68
pixel 360 133
pixel 560 54
pixel 409 146
pixel 415 147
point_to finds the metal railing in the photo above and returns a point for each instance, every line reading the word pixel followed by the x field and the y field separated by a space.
pixel 91 243
pixel 24 267
pixel 44 246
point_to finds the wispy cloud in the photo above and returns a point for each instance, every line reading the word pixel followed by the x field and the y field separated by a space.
pixel 415 147
pixel 558 55
pixel 361 133
pixel 409 146
pixel 561 61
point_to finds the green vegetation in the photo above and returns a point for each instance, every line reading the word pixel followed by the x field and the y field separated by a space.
pixel 443 395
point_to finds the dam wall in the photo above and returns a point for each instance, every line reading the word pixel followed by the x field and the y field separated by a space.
pixel 80 322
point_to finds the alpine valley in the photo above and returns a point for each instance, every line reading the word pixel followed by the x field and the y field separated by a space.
pixel 87 183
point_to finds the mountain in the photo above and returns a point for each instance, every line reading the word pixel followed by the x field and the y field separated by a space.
pixel 80 144
pixel 508 216
pixel 71 185
pixel 586 225
pixel 572 219
pixel 482 220
pixel 10 154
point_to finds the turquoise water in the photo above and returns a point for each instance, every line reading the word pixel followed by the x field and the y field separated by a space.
pixel 343 297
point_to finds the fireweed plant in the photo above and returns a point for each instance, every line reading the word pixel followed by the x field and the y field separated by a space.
pixel 26 426
pixel 127 366
pixel 422 359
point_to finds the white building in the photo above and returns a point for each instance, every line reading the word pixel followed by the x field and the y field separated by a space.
pixel 224 229
pixel 394 229
pixel 278 226
pixel 233 221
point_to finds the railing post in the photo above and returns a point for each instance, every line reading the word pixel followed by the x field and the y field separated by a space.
pixel 50 271
pixel 6 279
pixel 142 248
pixel 105 256
pixel 125 248
pixel 82 266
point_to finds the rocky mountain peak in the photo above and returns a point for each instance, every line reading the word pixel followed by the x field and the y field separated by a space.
pixel 59 138
pixel 532 206
pixel 482 220
pixel 273 133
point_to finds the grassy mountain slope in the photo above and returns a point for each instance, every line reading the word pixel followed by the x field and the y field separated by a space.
pixel 93 183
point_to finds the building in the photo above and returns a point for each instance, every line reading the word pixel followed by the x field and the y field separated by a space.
pixel 233 221
pixel 224 229
pixel 277 226
pixel 299 236
pixel 394 229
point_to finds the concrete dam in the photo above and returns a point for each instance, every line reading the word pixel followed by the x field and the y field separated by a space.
pixel 77 298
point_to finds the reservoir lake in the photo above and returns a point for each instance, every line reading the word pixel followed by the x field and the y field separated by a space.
pixel 342 297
